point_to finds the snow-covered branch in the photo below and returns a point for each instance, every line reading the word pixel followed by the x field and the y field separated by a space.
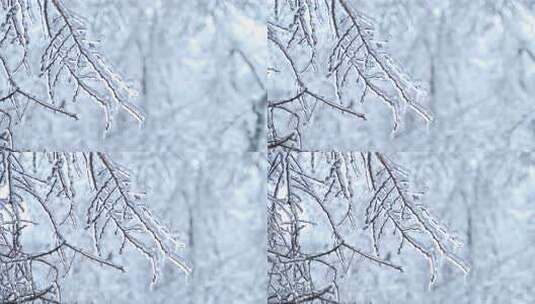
pixel 44 202
pixel 358 204
pixel 328 53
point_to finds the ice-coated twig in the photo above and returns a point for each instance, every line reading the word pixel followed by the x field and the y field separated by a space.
pixel 329 42
pixel 311 192
pixel 70 62
pixel 115 217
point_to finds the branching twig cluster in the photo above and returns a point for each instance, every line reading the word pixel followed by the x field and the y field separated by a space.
pixel 327 53
pixel 348 193
pixel 46 197
pixel 70 65
pixel 332 42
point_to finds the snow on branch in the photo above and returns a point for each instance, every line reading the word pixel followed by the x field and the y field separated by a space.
pixel 45 197
pixel 328 53
pixel 70 64
pixel 326 210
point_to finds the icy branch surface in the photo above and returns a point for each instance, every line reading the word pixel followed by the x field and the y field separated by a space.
pixel 326 55
pixel 327 211
pixel 45 195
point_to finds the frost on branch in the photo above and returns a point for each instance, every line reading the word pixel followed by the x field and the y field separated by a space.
pixel 46 60
pixel 44 197
pixel 327 53
pixel 362 203
pixel 49 42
